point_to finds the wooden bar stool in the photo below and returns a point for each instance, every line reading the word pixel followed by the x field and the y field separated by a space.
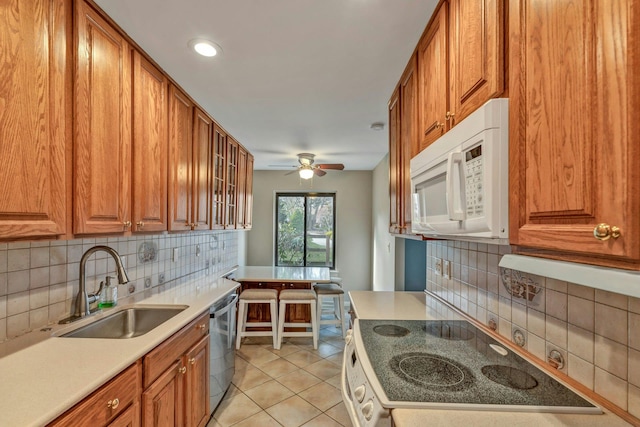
pixel 297 296
pixel 335 292
pixel 257 296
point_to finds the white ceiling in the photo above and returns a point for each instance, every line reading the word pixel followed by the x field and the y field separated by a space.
pixel 295 75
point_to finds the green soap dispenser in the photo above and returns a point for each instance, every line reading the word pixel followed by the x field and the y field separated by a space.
pixel 109 294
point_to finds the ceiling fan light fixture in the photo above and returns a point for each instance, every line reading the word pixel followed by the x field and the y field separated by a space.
pixel 306 173
pixel 205 47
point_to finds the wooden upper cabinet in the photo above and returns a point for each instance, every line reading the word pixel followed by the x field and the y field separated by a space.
pixel 34 119
pixel 394 164
pixel 150 146
pixel 409 139
pixel 219 174
pixel 574 130
pixel 248 194
pixel 202 169
pixel 181 133
pixel 242 187
pixel 433 78
pixel 231 183
pixel 102 126
pixel 476 54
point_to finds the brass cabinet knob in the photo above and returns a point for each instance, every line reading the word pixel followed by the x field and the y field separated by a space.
pixel 127 224
pixel 140 224
pixel 113 404
pixel 202 327
pixel 605 231
pixel 182 370
pixel 186 224
pixel 194 225
pixel 192 361
pixel 449 116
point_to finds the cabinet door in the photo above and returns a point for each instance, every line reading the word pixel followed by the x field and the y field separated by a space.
pixel 219 170
pixel 434 78
pixel 197 384
pixel 162 402
pixel 242 185
pixel 248 195
pixel 150 146
pixel 394 161
pixel 34 119
pixel 476 54
pixel 409 140
pixel 574 130
pixel 180 160
pixel 202 156
pixel 231 183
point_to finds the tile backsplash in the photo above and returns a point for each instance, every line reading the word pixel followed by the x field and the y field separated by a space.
pixel 595 331
pixel 39 279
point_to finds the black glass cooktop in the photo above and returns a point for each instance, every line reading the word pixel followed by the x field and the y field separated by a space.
pixel 451 361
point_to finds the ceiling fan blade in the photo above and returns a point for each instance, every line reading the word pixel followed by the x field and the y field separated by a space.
pixel 289 173
pixel 319 172
pixel 334 166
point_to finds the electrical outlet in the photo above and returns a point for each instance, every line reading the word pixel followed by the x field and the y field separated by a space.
pixel 160 278
pixel 439 266
pixel 446 269
pixel 175 254
pixel 197 250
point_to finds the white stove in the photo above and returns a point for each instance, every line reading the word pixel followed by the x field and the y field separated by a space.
pixel 442 364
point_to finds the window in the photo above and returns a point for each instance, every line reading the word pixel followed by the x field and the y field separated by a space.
pixel 305 229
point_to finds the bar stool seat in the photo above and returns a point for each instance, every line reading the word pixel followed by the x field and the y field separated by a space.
pixel 297 296
pixel 336 293
pixel 257 296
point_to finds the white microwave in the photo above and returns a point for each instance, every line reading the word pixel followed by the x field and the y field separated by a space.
pixel 460 183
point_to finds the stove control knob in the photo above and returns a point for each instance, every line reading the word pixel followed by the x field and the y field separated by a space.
pixel 367 410
pixel 359 393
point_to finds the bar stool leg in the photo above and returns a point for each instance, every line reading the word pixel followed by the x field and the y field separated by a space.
pixel 274 323
pixel 281 324
pixel 341 316
pixel 314 323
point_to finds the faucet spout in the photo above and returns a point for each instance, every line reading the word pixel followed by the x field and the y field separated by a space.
pixel 82 301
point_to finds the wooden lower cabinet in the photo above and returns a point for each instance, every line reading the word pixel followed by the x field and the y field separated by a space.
pixel 162 401
pixel 296 313
pixel 110 405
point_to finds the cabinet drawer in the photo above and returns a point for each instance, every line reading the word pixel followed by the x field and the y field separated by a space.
pixel 160 358
pixel 107 403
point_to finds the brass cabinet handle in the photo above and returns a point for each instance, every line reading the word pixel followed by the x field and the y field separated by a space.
pixel 182 370
pixel 604 231
pixel 202 327
pixel 113 404
pixel 186 224
pixel 127 224
pixel 194 225
pixel 449 116
pixel 140 224
pixel 437 125
pixel 192 361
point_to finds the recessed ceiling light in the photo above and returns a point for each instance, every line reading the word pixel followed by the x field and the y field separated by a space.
pixel 205 47
pixel 377 126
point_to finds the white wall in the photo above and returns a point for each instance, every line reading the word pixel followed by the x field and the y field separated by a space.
pixel 384 244
pixel 353 220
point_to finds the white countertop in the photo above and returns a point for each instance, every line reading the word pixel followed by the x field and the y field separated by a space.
pixel 419 306
pixel 50 375
pixel 282 274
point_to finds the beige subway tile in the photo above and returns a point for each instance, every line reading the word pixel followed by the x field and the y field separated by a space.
pixel 536 346
pixel 504 307
pixel 3 307
pixel 3 329
pixel 519 314
pixel 17 281
pixel 39 257
pixel 38 277
pixel 612 299
pixel 611 387
pixel 504 328
pixel 581 312
pixel 38 298
pixel 634 367
pixel 18 259
pixel 611 356
pixel 17 325
pixel 581 343
pixel 4 284
pixel 536 322
pixel 634 401
pixel 581 371
pixel 611 323
pixel 634 304
pixel 556 304
pixel 3 261
pixel 17 303
pixel 38 318
pixel 581 291
pixel 556 331
pixel 634 331
pixel 492 263
pixel 556 285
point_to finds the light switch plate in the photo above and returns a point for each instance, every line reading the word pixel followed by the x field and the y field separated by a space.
pixel 446 269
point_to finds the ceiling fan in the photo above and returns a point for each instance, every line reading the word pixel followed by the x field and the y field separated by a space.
pixel 307 169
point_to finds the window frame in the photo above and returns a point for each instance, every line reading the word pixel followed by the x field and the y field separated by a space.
pixel 305 195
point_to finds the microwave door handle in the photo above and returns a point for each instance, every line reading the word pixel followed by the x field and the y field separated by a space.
pixel 456 191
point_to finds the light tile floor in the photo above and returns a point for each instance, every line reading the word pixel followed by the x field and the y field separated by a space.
pixel 291 387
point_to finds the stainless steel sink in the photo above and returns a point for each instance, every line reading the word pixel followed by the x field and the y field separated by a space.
pixel 127 323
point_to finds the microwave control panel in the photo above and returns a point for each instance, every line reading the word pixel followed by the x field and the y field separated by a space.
pixel 474 179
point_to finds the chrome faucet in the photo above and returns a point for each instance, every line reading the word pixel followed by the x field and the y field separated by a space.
pixel 82 301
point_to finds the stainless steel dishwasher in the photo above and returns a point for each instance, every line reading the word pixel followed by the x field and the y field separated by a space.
pixel 222 331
